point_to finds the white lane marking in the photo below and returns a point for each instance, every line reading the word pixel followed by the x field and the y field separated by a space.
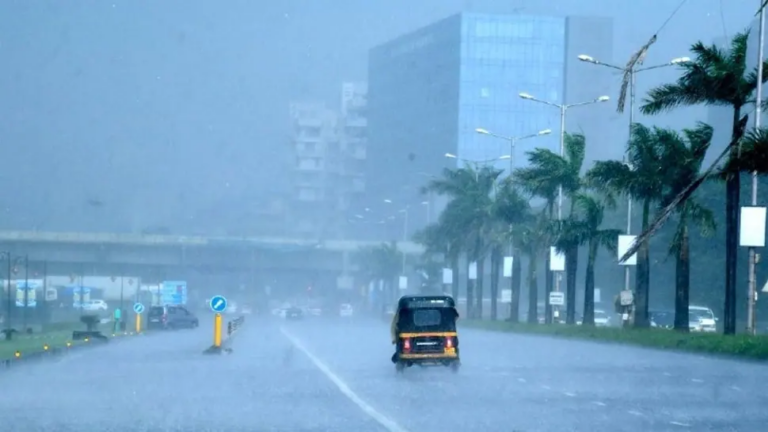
pixel 522 380
pixel 696 380
pixel 635 413
pixel 569 394
pixel 679 424
pixel 546 387
pixel 735 388
pixel 598 403
pixel 383 420
pixel 667 374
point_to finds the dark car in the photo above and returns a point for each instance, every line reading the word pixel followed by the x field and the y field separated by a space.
pixel 170 317
pixel 662 319
pixel 294 313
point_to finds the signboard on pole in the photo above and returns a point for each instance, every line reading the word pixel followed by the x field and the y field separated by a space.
pixel 447 276
pixel 556 260
pixel 557 298
pixel 752 227
pixel 508 266
pixel 403 282
pixel 625 242
pixel 473 270
pixel 173 292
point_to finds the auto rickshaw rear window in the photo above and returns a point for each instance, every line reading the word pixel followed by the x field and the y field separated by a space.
pixel 426 317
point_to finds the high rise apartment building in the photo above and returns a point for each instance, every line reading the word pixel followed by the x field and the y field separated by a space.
pixel 329 145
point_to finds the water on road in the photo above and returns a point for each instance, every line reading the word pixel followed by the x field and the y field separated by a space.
pixel 335 375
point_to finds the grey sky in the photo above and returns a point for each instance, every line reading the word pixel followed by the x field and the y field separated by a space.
pixel 169 109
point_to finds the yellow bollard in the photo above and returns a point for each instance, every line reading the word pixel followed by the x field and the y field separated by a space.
pixel 138 323
pixel 217 330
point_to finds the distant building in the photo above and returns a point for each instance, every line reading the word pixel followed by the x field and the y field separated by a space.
pixel 431 89
pixel 329 171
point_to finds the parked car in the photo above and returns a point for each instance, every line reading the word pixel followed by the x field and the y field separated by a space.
pixel 662 319
pixel 702 319
pixel 602 319
pixel 170 317
pixel 294 313
pixel 345 310
pixel 94 305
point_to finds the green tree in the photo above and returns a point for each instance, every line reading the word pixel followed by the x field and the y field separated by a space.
pixel 469 214
pixel 717 77
pixel 642 179
pixel 512 213
pixel 682 158
pixel 546 173
pixel 381 262
pixel 591 212
pixel 437 238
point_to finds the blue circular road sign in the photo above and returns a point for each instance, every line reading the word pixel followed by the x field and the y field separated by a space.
pixel 138 308
pixel 218 303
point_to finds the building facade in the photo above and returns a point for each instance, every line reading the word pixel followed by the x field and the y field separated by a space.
pixel 329 147
pixel 431 89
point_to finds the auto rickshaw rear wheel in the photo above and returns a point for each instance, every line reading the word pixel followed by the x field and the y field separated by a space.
pixel 399 366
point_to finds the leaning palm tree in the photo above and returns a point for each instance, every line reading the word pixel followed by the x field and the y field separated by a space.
pixel 547 172
pixel 640 178
pixel 717 77
pixel 682 158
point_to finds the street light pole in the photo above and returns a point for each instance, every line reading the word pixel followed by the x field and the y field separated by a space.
pixel 632 72
pixel 563 110
pixel 751 318
pixel 512 142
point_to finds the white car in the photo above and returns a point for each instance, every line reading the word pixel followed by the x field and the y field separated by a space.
pixel 95 305
pixel 701 319
pixel 346 310
pixel 602 319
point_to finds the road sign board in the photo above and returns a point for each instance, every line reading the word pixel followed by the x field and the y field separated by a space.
pixel 556 298
pixel 138 308
pixel 626 298
pixel 218 303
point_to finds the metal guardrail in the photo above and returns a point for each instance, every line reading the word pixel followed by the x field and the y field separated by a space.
pixel 234 325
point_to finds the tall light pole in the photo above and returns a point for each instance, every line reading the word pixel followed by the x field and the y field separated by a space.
pixel 751 319
pixel 632 72
pixel 563 110
pixel 512 142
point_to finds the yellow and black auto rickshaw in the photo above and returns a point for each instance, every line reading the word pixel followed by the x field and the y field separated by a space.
pixel 424 332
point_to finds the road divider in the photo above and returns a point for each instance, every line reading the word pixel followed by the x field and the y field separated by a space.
pixel 222 339
pixel 23 349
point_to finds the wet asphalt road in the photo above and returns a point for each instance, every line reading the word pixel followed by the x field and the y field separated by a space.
pixel 344 382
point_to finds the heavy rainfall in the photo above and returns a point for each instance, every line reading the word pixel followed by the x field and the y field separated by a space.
pixel 395 216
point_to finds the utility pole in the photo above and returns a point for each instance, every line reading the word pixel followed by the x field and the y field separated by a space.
pixel 751 318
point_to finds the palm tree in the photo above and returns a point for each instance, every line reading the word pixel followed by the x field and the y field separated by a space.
pixel 546 173
pixel 531 239
pixel 592 211
pixel 469 214
pixel 512 213
pixel 641 178
pixel 682 158
pixel 381 262
pixel 438 239
pixel 717 77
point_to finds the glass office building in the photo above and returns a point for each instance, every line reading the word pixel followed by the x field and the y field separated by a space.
pixel 431 89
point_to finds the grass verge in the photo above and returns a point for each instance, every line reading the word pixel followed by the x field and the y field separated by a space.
pixel 744 346
pixel 52 337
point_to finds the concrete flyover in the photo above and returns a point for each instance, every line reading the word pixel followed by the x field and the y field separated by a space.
pixel 235 253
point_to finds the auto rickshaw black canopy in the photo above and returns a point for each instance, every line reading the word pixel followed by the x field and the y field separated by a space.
pixel 421 301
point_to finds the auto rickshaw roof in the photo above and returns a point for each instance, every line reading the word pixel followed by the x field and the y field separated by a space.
pixel 422 301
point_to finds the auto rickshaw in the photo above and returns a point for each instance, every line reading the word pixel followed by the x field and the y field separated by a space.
pixel 424 332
